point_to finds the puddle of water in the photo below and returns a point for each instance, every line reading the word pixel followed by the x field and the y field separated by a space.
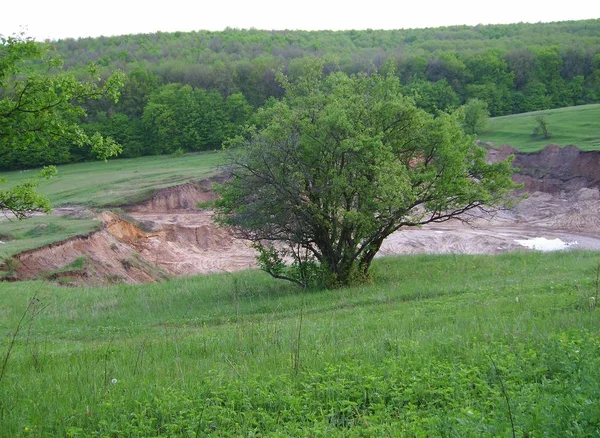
pixel 543 244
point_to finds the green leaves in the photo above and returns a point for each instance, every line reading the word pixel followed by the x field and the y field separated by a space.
pixel 22 200
pixel 475 116
pixel 39 116
pixel 342 162
pixel 192 118
pixel 104 147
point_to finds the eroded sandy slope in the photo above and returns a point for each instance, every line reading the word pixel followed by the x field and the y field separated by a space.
pixel 167 235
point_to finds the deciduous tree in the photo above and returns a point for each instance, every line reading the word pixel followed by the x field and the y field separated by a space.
pixel 338 165
pixel 39 110
pixel 475 115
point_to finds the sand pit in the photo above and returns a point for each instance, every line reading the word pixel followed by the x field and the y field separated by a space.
pixel 168 235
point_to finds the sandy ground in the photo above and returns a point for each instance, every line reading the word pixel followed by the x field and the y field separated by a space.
pixel 573 221
pixel 167 235
pixel 188 242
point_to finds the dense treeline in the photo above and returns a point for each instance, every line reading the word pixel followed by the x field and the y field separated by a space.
pixel 190 90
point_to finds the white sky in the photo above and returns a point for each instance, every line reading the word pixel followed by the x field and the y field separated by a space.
pixel 56 19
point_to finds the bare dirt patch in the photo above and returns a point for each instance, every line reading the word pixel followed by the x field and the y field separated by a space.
pixel 167 235
pixel 563 202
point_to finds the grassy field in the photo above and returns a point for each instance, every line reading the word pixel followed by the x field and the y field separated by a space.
pixel 578 125
pixel 99 185
pixel 436 346
pixel 122 181
pixel 18 236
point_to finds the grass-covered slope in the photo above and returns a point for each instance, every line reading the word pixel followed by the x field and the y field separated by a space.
pixel 577 125
pixel 121 181
pixel 98 185
pixel 18 236
pixel 437 346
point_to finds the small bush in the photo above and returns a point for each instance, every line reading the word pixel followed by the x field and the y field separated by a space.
pixel 541 129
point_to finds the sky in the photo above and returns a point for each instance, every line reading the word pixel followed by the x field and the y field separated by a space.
pixel 59 19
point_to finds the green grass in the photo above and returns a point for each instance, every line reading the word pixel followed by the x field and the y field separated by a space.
pixel 38 231
pixel 436 346
pixel 122 181
pixel 578 125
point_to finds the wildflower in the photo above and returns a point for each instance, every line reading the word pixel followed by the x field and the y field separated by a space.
pixel 26 429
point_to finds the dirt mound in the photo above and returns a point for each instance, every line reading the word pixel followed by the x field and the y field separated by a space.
pixel 102 257
pixel 182 242
pixel 167 235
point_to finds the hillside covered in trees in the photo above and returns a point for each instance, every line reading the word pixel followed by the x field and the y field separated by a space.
pixel 187 91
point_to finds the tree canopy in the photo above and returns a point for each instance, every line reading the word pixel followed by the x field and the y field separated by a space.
pixel 512 68
pixel 338 165
pixel 39 113
pixel 475 116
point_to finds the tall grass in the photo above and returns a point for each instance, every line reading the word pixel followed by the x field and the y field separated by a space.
pixel 425 350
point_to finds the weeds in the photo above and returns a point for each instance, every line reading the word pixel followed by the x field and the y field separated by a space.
pixel 33 309
pixel 10 265
pixel 140 357
pixel 594 298
pixel 506 397
pixel 296 346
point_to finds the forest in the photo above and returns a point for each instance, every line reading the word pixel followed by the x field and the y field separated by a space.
pixel 189 91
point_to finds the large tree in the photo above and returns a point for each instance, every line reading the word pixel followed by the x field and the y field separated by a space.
pixel 39 111
pixel 475 116
pixel 338 165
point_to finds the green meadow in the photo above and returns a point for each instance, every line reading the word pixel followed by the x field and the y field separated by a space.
pixel 122 181
pixel 577 125
pixel 19 236
pixel 458 346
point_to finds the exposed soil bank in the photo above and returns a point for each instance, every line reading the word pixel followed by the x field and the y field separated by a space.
pixel 167 235
pixel 553 169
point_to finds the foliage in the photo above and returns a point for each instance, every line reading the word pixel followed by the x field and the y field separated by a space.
pixel 138 86
pixel 514 68
pixel 341 163
pixel 475 116
pixel 497 63
pixel 433 96
pixel 22 200
pixel 37 110
pixel 192 119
